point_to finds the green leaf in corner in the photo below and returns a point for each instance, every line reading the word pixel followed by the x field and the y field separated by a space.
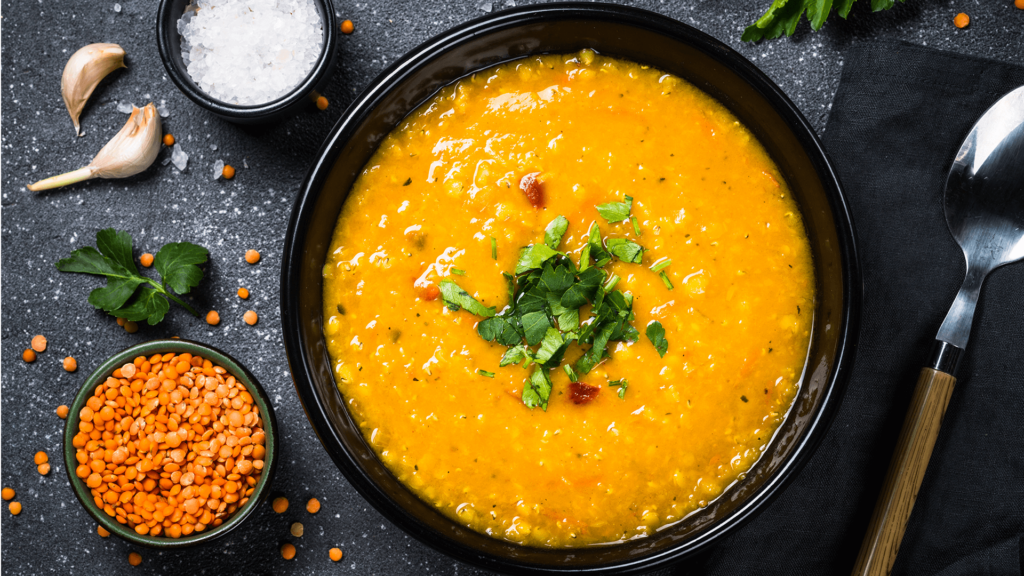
pixel 626 250
pixel 555 231
pixel 121 283
pixel 782 16
pixel 455 298
pixel 656 334
pixel 117 245
pixel 843 7
pixel 147 305
pixel 178 265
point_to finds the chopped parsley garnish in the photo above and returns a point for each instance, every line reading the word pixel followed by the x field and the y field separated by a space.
pixel 636 225
pixel 660 264
pixel 455 298
pixel 656 334
pixel 494 248
pixel 458 271
pixel 546 295
pixel 485 373
pixel 665 280
pixel 621 384
pixel 407 182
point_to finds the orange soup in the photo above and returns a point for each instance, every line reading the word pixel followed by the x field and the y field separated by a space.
pixel 568 300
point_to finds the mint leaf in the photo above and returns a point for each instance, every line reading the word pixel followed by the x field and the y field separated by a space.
pixel 656 334
pixel 533 257
pixel 178 265
pixel 626 250
pixel 455 298
pixel 535 325
pixel 147 305
pixel 555 231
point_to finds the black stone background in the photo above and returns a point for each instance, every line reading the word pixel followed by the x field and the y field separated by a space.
pixel 54 534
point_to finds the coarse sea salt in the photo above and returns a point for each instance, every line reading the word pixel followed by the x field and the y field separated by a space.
pixel 250 52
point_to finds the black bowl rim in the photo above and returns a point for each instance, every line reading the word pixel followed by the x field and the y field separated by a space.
pixel 849 320
pixel 166 19
pixel 247 379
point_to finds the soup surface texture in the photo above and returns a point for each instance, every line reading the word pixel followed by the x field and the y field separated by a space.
pixel 448 197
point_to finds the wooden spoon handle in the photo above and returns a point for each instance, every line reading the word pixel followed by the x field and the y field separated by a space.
pixel 906 470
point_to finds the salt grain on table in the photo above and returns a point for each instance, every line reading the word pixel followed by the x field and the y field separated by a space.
pixel 179 158
pixel 125 107
pixel 250 51
pixel 218 169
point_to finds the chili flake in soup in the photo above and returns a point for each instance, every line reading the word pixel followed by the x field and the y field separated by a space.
pixel 449 200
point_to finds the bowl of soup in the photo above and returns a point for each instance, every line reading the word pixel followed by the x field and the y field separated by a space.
pixel 570 288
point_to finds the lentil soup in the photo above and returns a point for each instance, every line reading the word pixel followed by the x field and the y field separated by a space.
pixel 451 197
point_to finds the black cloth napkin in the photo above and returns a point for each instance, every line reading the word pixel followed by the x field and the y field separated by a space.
pixel 899 116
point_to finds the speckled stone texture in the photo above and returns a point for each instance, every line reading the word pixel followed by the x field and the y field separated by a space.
pixel 54 534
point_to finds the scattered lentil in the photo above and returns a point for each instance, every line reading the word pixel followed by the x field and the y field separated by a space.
pixel 1019 4
pixel 131 327
pixel 29 355
pixel 297 529
pixel 322 103
pixel 8 493
pixel 62 412
pixel 168 139
pixel 121 321
pixel 250 317
pixel 243 293
pixel 280 504
pixel 287 551
pixel 103 532
pixel 252 256
pixel 228 172
pixel 313 506
pixel 212 318
pixel 135 558
pixel 347 27
pixel 15 508
pixel 961 20
pixel 43 468
pixel 39 343
pixel 146 259
pixel 41 458
pixel 70 364
pixel 170 445
pixel 335 554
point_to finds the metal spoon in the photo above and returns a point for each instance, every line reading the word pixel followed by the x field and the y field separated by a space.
pixel 984 205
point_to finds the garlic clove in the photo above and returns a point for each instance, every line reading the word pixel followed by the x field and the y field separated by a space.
pixel 129 152
pixel 84 71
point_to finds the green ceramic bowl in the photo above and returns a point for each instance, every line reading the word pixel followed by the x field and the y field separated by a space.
pixel 163 347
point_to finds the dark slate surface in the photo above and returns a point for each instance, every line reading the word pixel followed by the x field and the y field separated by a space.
pixel 54 534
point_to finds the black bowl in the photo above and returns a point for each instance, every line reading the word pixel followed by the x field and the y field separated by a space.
pixel 643 37
pixel 304 95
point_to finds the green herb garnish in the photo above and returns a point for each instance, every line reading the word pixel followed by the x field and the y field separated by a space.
pixel 621 384
pixel 455 298
pixel 178 265
pixel 665 280
pixel 407 182
pixel 636 226
pixel 626 250
pixel 485 373
pixel 494 248
pixel 660 264
pixel 615 211
pixel 458 271
pixel 656 334
pixel 555 231
pixel 783 16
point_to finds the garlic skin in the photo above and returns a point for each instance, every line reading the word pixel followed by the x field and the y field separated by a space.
pixel 83 72
pixel 129 152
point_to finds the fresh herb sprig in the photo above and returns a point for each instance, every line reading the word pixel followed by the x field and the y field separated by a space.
pixel 128 294
pixel 783 16
pixel 546 294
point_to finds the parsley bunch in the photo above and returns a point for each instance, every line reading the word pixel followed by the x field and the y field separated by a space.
pixel 783 16
pixel 547 291
pixel 178 265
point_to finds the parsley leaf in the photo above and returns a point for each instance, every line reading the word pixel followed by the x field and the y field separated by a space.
pixel 177 264
pixel 595 249
pixel 552 347
pixel 555 231
pixel 615 211
pixel 499 329
pixel 626 250
pixel 485 373
pixel 533 257
pixel 535 325
pixel 783 16
pixel 656 334
pixel 621 384
pixel 537 389
pixel 455 298
pixel 515 355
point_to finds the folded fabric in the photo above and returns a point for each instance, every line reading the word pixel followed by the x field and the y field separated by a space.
pixel 899 116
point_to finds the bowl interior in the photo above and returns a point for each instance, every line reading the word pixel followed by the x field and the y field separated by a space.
pixel 169 42
pixel 625 33
pixel 162 347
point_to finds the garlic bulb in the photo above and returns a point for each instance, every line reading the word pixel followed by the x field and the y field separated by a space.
pixel 83 73
pixel 129 152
